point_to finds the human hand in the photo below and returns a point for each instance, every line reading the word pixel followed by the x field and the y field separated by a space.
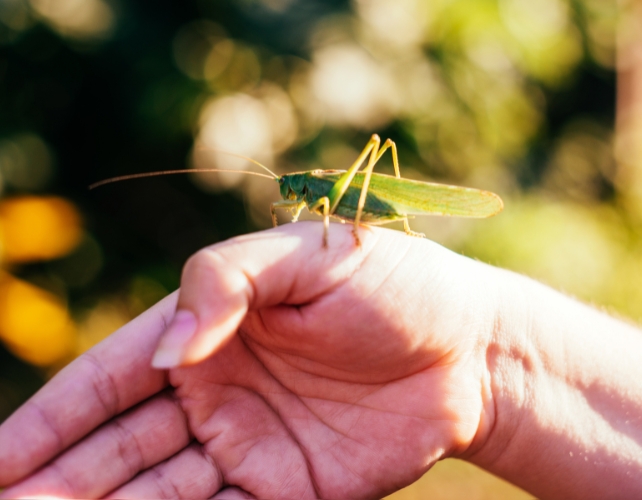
pixel 343 372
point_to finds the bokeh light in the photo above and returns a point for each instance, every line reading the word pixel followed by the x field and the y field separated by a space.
pixel 34 324
pixel 77 19
pixel 348 87
pixel 15 17
pixel 37 228
pixel 25 162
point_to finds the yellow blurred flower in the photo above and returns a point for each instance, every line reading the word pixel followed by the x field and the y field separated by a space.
pixel 34 228
pixel 34 324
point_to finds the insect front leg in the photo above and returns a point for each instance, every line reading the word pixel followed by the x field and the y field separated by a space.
pixel 324 204
pixel 293 205
pixel 296 211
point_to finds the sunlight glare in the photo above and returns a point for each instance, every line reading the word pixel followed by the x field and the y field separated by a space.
pixel 350 88
pixel 78 19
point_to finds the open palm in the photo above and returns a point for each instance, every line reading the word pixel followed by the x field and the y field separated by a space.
pixel 338 373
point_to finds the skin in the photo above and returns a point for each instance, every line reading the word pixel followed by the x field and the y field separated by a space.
pixel 338 373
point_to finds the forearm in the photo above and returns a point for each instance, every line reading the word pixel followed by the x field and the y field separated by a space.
pixel 566 385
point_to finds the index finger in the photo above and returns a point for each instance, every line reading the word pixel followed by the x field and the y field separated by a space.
pixel 103 382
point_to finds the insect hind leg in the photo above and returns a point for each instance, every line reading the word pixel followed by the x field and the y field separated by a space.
pixel 395 163
pixel 410 232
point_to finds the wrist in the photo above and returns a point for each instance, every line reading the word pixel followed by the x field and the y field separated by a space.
pixel 564 396
pixel 508 386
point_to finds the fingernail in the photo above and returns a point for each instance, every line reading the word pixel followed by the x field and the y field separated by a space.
pixel 172 345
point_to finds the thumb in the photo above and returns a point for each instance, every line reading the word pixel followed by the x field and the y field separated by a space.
pixel 221 283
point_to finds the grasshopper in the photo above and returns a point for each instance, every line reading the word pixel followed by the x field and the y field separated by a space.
pixel 364 197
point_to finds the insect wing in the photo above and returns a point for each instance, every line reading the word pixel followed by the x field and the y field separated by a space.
pixel 412 197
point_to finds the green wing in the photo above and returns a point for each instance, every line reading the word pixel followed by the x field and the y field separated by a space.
pixel 412 197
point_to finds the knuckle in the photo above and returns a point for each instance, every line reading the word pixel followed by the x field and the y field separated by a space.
pixel 103 385
pixel 202 262
pixel 217 267
pixel 129 450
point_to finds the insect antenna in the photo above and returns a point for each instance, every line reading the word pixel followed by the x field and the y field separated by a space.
pixel 204 148
pixel 171 172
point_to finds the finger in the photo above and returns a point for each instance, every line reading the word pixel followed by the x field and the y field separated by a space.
pixel 108 379
pixel 221 283
pixel 189 474
pixel 112 455
pixel 232 493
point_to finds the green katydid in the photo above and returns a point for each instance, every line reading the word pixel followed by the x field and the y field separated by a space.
pixel 364 197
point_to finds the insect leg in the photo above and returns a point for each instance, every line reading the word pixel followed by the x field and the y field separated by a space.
pixel 389 144
pixel 409 231
pixel 296 210
pixel 341 186
pixel 294 205
pixel 374 158
pixel 324 203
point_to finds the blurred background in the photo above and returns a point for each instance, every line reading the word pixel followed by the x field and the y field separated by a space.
pixel 539 101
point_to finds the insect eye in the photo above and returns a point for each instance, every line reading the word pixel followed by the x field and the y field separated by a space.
pixel 281 180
